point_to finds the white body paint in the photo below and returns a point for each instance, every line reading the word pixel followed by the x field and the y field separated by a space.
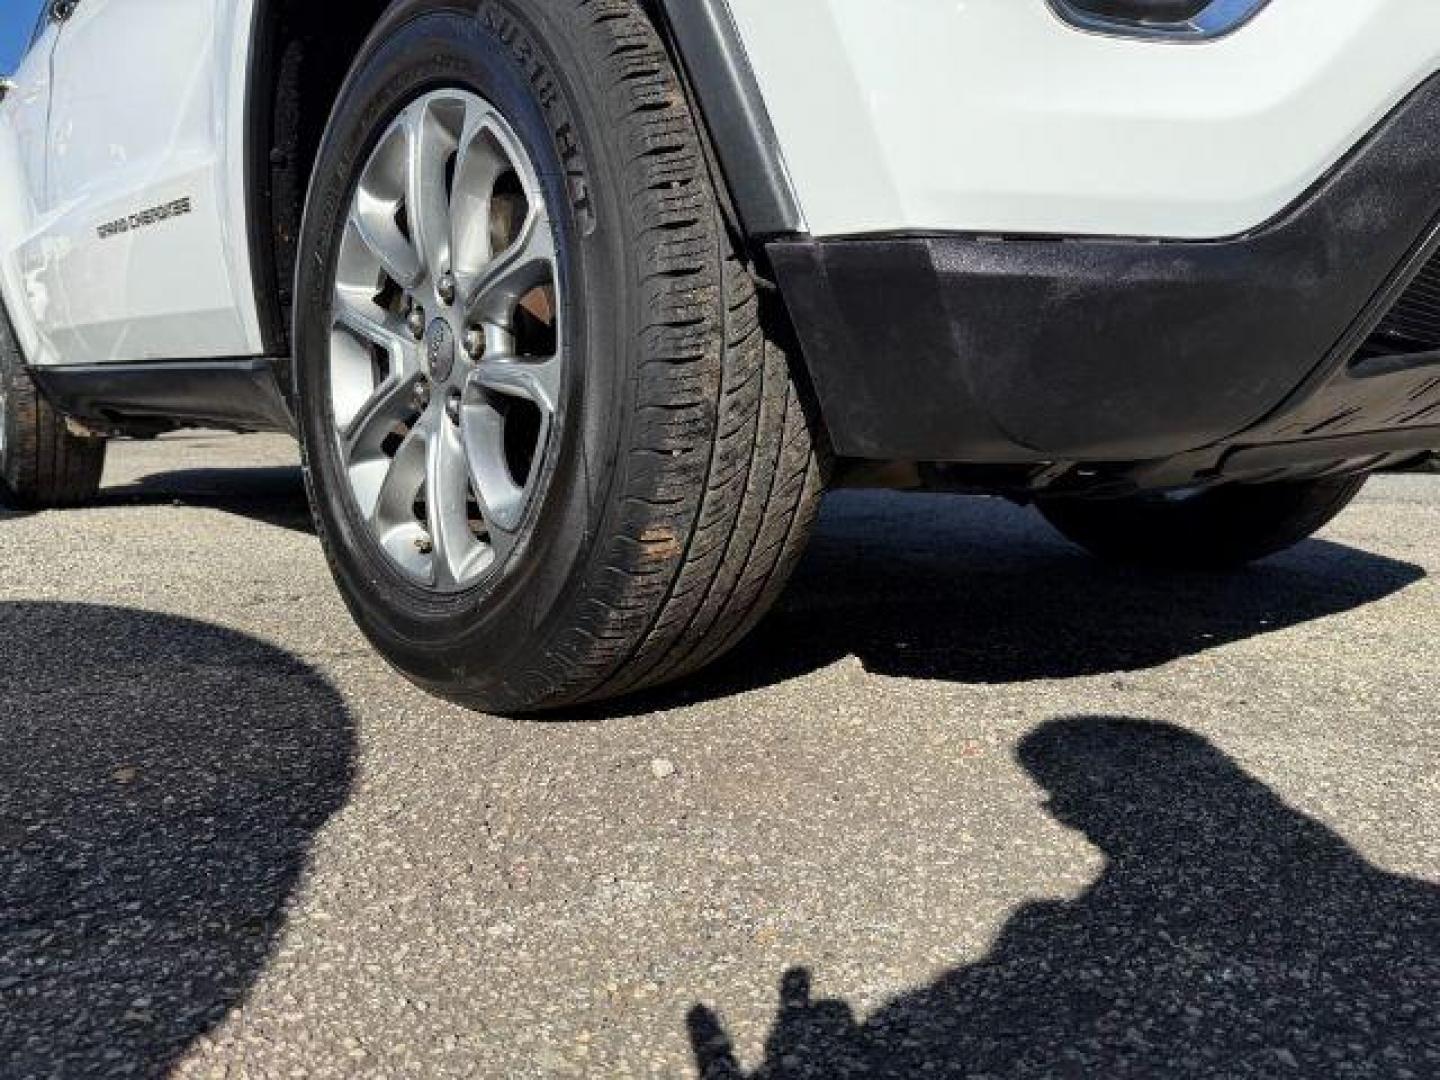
pixel 128 106
pixel 995 116
pixel 902 115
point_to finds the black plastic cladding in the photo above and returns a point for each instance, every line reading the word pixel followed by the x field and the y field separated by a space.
pixel 731 105
pixel 241 394
pixel 1412 325
pixel 988 350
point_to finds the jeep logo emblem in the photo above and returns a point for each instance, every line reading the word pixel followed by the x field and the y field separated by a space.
pixel 440 350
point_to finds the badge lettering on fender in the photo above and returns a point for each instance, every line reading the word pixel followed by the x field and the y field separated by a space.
pixel 144 218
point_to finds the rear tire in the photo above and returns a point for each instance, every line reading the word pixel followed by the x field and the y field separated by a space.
pixel 679 479
pixel 1214 529
pixel 42 464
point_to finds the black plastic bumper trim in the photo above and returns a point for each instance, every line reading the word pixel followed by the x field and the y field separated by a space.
pixel 231 394
pixel 1285 456
pixel 974 349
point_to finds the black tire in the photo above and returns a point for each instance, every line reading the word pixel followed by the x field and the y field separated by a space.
pixel 42 464
pixel 1215 529
pixel 685 479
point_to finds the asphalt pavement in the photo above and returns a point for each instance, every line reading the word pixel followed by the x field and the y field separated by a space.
pixel 967 805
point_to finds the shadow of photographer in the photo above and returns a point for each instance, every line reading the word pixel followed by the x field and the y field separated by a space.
pixel 161 782
pixel 1228 935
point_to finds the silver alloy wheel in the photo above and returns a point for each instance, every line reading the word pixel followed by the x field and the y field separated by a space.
pixel 446 357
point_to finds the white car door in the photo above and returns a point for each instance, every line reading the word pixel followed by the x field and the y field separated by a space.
pixel 144 252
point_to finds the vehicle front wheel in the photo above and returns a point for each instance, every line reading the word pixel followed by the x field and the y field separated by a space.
pixel 1214 528
pixel 42 463
pixel 552 439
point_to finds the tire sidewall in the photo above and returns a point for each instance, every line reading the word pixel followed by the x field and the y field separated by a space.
pixel 441 640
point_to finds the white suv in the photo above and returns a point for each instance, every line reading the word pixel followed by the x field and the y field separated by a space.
pixel 578 305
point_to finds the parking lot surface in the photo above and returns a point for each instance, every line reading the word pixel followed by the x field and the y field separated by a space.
pixel 968 804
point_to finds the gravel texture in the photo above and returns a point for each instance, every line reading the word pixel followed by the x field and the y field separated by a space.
pixel 967 805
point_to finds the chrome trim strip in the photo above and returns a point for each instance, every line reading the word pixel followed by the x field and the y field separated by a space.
pixel 1216 20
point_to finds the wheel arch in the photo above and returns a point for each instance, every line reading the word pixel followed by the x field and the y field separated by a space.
pixel 299 58
pixel 725 96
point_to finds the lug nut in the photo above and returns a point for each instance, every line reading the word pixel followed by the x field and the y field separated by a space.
pixel 421 395
pixel 474 344
pixel 452 407
pixel 446 288
pixel 416 321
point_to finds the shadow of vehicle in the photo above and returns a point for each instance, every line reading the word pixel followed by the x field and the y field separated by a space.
pixel 1228 935
pixel 273 494
pixel 161 781
pixel 980 591
pixel 935 587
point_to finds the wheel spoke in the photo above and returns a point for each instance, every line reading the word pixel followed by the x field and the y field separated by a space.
pixel 374 220
pixel 429 146
pixel 497 289
pixel 366 410
pixel 502 537
pixel 392 403
pixel 501 499
pixel 479 163
pixel 447 489
pixel 535 380
pixel 393 484
pixel 488 151
pixel 356 311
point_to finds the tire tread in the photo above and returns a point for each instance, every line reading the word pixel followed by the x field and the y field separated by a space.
pixel 722 473
pixel 44 465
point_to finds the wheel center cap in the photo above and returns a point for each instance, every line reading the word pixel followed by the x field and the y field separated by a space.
pixel 440 350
